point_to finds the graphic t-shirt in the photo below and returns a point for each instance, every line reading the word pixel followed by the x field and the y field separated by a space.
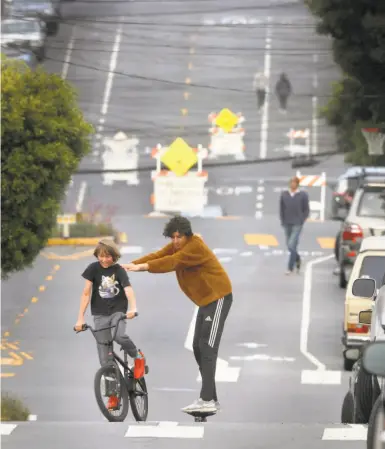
pixel 108 286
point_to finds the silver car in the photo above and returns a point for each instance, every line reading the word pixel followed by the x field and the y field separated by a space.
pixel 25 34
pixel 366 217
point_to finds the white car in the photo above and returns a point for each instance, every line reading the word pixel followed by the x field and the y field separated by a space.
pixel 26 34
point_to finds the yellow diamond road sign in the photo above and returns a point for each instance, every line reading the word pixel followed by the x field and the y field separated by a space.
pixel 179 157
pixel 226 120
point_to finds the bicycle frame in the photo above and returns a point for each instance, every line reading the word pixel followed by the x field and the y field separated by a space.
pixel 128 374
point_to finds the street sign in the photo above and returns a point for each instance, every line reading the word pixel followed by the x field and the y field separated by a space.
pixel 226 120
pixel 179 157
pixel 66 219
pixel 180 194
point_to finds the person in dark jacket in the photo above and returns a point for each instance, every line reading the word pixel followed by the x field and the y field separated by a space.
pixel 283 90
pixel 294 211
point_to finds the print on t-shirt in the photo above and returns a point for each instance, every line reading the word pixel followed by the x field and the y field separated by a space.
pixel 109 287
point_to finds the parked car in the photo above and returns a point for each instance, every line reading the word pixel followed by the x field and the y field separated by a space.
pixel 346 186
pixel 24 33
pixel 365 217
pixel 364 388
pixel 21 54
pixel 373 362
pixel 48 11
pixel 369 263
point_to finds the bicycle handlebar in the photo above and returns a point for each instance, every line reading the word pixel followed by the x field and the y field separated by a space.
pixel 87 326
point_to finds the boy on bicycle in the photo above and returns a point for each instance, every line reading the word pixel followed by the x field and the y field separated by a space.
pixel 108 287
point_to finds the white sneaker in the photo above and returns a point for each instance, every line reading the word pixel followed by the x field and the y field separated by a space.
pixel 201 406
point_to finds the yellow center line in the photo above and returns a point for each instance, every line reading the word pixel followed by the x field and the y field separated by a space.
pixel 7 374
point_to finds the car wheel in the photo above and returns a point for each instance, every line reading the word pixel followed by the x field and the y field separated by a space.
pixel 376 424
pixel 337 247
pixel 363 398
pixel 348 364
pixel 347 410
pixel 342 277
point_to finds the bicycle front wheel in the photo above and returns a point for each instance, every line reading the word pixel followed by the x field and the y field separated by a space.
pixel 139 400
pixel 111 393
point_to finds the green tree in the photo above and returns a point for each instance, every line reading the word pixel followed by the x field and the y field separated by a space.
pixel 43 138
pixel 358 45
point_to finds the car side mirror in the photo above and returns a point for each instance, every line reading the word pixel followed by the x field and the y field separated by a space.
pixel 365 317
pixel 364 288
pixel 373 358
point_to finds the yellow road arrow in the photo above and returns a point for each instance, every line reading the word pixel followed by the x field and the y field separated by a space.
pixel 14 360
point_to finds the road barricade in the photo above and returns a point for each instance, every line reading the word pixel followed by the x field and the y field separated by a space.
pixel 224 143
pixel 121 153
pixel 317 208
pixel 179 194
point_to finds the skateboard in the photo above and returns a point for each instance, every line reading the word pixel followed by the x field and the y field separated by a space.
pixel 200 416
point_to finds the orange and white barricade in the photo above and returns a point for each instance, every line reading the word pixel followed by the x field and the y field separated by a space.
pixel 317 208
pixel 294 148
pixel 179 194
pixel 224 143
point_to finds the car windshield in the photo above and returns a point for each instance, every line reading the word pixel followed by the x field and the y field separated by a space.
pixel 374 267
pixel 372 203
pixel 20 27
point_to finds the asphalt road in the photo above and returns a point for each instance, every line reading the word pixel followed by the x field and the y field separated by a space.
pixel 262 339
pixel 157 72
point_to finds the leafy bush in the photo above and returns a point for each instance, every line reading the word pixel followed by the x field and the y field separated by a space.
pixel 12 408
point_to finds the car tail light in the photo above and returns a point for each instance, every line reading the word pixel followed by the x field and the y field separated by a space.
pixel 352 232
pixel 358 328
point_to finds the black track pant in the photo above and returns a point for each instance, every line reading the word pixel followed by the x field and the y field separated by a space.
pixel 208 332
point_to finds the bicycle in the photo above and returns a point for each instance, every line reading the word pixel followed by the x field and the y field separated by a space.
pixel 119 381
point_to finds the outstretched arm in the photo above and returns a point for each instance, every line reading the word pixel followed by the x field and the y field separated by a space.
pixel 167 250
pixel 194 254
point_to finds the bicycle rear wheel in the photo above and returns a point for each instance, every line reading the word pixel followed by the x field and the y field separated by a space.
pixel 139 399
pixel 106 385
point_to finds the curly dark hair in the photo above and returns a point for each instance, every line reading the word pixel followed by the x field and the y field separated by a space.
pixel 178 224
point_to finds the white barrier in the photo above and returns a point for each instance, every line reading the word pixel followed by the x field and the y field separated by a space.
pixel 317 208
pixel 121 152
pixel 226 143
pixel 295 149
pixel 179 194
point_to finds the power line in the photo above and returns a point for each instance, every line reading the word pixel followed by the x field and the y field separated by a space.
pixel 183 84
pixel 207 166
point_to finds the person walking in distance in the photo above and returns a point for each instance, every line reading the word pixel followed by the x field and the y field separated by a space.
pixel 293 211
pixel 205 282
pixel 260 85
pixel 283 90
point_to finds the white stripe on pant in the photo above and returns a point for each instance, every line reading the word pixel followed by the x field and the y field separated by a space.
pixel 214 326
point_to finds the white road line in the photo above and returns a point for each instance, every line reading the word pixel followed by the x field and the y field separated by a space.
pixel 306 308
pixel 165 429
pixel 7 429
pixel 259 199
pixel 68 54
pixel 108 87
pixel 265 112
pixel 82 192
pixel 355 432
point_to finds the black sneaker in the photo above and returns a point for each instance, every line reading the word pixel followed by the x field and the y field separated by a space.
pixel 298 264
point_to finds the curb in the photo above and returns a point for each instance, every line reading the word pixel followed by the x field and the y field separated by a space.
pixel 77 241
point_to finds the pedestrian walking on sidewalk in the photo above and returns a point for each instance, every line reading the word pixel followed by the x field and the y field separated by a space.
pixel 260 85
pixel 283 91
pixel 294 211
